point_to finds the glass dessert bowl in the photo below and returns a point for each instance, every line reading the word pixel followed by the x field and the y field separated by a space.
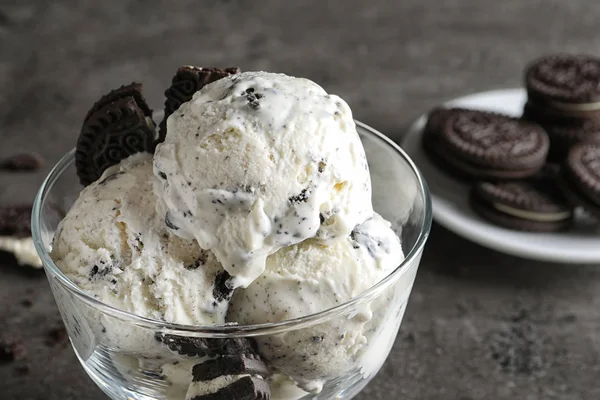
pixel 336 352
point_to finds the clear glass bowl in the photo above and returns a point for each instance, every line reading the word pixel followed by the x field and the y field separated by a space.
pixel 122 355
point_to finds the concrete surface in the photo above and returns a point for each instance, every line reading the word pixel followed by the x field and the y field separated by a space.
pixel 480 325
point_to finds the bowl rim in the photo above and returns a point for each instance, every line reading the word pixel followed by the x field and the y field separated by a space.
pixel 233 330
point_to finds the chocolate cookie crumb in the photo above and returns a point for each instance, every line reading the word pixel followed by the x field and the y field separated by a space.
pixel 27 303
pixel 57 336
pixel 22 162
pixel 12 350
pixel 15 220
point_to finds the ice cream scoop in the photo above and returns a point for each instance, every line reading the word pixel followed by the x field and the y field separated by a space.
pixel 259 161
pixel 310 277
pixel 115 247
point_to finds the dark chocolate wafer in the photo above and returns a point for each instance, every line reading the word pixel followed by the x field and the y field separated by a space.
pixel 495 140
pixel 22 162
pixel 485 145
pixel 245 388
pixel 206 347
pixel 222 290
pixel 564 132
pixel 230 365
pixel 187 81
pixel 235 377
pixel 565 82
pixel 118 128
pixel 535 204
pixel 15 220
pixel 133 90
pixel 581 176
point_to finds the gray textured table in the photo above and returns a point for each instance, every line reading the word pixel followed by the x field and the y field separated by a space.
pixel 479 324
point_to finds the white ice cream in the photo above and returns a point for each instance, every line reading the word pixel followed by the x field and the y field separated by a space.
pixel 115 247
pixel 311 277
pixel 259 161
pixel 262 177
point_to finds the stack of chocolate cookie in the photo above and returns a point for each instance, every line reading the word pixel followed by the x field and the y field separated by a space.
pixel 228 368
pixel 563 96
pixel 504 160
pixel 529 173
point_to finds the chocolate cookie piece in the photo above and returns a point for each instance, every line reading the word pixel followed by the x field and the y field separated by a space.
pixel 187 81
pixel 563 132
pixel 115 128
pixel 230 365
pixel 133 90
pixel 12 349
pixel 235 377
pixel 244 388
pixel 222 291
pixel 431 139
pixel 436 119
pixel 580 177
pixel 206 347
pixel 15 220
pixel 22 162
pixel 563 82
pixel 485 145
pixel 535 204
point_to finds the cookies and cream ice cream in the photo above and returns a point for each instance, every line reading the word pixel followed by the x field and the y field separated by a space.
pixel 259 161
pixel 114 245
pixel 307 278
pixel 255 209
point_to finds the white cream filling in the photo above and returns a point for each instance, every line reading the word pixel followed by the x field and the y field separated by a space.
pixel 23 250
pixel 576 107
pixel 207 387
pixel 532 215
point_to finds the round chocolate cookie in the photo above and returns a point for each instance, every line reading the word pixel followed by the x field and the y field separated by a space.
pixel 187 81
pixel 580 177
pixel 564 133
pixel 565 82
pixel 432 133
pixel 535 204
pixel 484 145
pixel 436 119
pixel 133 90
pixel 118 125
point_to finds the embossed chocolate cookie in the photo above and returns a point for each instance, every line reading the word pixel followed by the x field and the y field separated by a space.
pixel 133 90
pixel 484 145
pixel 118 125
pixel 565 82
pixel 234 377
pixel 436 119
pixel 535 204
pixel 187 81
pixel 564 132
pixel 580 177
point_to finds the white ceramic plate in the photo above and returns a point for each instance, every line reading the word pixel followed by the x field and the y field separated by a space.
pixel 580 245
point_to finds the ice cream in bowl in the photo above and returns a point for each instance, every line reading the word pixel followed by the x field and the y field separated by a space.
pixel 257 243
